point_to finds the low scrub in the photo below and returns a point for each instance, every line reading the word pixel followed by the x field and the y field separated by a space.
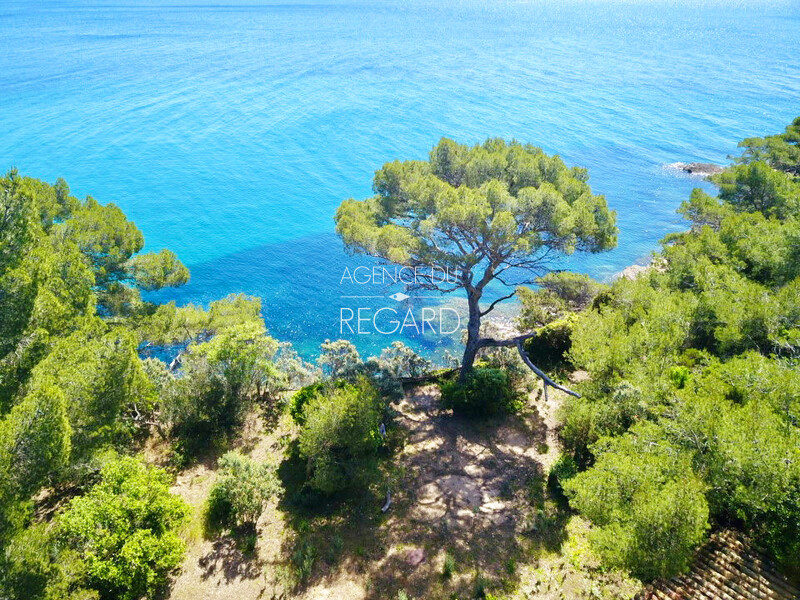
pixel 484 392
pixel 241 492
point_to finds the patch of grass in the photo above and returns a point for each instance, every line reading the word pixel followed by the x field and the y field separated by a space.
pixel 480 586
pixel 247 540
pixel 284 578
pixel 511 566
pixel 449 566
pixel 335 548
pixel 194 529
pixel 303 559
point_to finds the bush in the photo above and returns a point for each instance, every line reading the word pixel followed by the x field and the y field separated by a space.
pixel 559 293
pixel 648 507
pixel 34 566
pixel 564 469
pixel 241 492
pixel 340 437
pixel 449 566
pixel 549 347
pixel 485 392
pixel 395 362
pixel 604 412
pixel 340 359
pixel 221 380
pixel 301 398
pixel 125 529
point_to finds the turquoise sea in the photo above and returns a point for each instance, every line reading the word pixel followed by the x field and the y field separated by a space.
pixel 230 132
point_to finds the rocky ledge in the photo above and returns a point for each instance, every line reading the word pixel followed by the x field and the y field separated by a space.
pixel 698 168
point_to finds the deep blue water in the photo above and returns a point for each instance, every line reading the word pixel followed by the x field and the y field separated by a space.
pixel 230 133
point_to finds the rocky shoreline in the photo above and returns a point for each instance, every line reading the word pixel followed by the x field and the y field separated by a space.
pixel 699 169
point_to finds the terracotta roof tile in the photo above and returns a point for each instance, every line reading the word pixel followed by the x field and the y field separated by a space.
pixel 727 567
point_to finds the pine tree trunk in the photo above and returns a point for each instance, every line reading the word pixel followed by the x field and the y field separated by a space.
pixel 473 334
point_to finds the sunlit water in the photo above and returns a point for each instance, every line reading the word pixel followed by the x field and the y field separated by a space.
pixel 230 133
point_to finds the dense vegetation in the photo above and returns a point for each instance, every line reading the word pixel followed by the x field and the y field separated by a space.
pixel 691 417
pixel 78 400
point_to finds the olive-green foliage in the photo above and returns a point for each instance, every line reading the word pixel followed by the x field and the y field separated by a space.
pixel 19 226
pixel 698 356
pixel 739 420
pixel 34 447
pixel 394 363
pixel 608 412
pixel 485 392
pixel 241 491
pixel 170 324
pixel 296 372
pixel 157 270
pixel 398 360
pixel 105 236
pixel 505 358
pixel 109 241
pixel 35 566
pixel 647 505
pixel 124 529
pixel 339 359
pixel 72 386
pixel 562 470
pixel 102 377
pixel 45 295
pixel 35 440
pixel 340 437
pixel 301 398
pixel 757 187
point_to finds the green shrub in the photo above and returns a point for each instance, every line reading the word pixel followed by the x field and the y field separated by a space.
pixel 125 529
pixel 303 559
pixel 339 359
pixel 679 375
pixel 485 392
pixel 559 292
pixel 449 567
pixel 564 469
pixel 340 437
pixel 301 398
pixel 241 492
pixel 648 507
pixel 34 566
pixel 221 380
pixel 549 346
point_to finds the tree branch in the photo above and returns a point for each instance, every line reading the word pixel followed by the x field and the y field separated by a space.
pixel 547 381
pixel 496 302
pixel 518 342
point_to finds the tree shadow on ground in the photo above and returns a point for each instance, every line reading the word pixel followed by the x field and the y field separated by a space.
pixel 227 557
pixel 469 499
pixel 472 493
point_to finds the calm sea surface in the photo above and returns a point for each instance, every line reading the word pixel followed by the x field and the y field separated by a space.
pixel 230 132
